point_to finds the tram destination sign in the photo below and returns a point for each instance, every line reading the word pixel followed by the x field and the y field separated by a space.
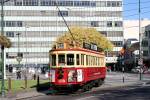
pixel 91 46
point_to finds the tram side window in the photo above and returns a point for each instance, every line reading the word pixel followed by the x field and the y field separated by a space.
pixel 70 59
pixel 98 61
pixel 53 60
pixel 77 59
pixel 61 59
pixel 87 60
pixel 82 59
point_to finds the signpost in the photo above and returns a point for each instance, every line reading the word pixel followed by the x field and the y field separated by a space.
pixel 140 61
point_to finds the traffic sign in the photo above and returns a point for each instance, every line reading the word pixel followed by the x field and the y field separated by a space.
pixel 140 61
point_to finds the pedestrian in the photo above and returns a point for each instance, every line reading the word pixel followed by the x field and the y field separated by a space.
pixel 109 68
pixel 17 74
pixel 34 76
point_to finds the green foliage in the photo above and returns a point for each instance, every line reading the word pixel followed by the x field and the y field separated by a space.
pixel 18 85
pixel 88 35
pixel 5 41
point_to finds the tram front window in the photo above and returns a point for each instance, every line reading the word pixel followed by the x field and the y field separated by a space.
pixel 70 59
pixel 53 60
pixel 61 60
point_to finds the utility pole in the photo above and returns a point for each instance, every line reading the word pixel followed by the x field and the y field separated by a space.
pixel 19 57
pixel 2 47
pixel 140 49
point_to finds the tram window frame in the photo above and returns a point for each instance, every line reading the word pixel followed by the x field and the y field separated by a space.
pixel 98 61
pixel 70 60
pixel 87 60
pixel 82 59
pixel 61 59
pixel 77 59
pixel 53 60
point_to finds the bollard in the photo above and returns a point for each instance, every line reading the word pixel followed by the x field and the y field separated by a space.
pixel 25 79
pixel 38 81
pixel 9 84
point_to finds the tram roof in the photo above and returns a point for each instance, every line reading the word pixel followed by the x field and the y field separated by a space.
pixel 65 48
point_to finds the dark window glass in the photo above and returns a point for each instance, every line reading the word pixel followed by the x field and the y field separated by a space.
pixel 94 24
pixel 61 59
pixel 70 59
pixel 53 60
pixel 63 13
pixel 19 24
pixel 10 34
pixel 77 59
pixel 109 24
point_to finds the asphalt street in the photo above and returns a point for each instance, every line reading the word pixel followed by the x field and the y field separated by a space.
pixel 112 89
pixel 136 92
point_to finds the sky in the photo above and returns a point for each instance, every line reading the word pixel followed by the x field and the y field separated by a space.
pixel 131 9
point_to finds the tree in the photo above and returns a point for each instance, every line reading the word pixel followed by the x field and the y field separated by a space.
pixel 4 41
pixel 88 35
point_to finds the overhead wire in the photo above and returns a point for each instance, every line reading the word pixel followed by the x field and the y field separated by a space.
pixel 130 3
pixel 64 21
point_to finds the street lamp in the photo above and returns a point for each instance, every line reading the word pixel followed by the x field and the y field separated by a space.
pixel 140 50
pixel 19 55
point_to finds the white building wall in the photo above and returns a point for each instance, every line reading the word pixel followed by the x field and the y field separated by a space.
pixel 43 17
pixel 131 28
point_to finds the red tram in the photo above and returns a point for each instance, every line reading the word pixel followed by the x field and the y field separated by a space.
pixel 76 67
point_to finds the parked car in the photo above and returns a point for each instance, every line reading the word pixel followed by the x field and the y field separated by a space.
pixel 137 70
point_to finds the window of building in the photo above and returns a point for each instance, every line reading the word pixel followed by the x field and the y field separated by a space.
pixel 19 24
pixel 77 3
pixel 94 24
pixel 108 3
pixel 109 24
pixel 63 13
pixel 149 33
pixel 145 43
pixel 114 33
pixel 118 24
pixel 11 55
pixel 119 3
pixel 145 53
pixel 10 34
pixel 93 4
pixel 146 33
pixel 18 2
pixel 117 43
pixel 30 2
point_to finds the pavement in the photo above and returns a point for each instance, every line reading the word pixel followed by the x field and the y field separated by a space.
pixel 113 79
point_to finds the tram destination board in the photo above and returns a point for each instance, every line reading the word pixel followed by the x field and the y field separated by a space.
pixel 91 46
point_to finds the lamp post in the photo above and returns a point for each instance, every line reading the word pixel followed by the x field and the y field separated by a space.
pixel 140 50
pixel 19 56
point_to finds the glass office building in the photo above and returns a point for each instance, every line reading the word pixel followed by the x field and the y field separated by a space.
pixel 39 23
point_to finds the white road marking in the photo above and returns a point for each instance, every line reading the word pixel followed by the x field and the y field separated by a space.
pixel 86 98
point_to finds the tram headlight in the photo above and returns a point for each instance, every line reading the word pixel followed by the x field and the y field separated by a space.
pixel 72 76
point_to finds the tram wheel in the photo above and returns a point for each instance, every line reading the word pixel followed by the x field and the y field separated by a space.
pixel 98 83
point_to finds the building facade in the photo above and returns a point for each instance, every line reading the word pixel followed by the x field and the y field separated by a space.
pixel 131 28
pixel 39 23
pixel 146 45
